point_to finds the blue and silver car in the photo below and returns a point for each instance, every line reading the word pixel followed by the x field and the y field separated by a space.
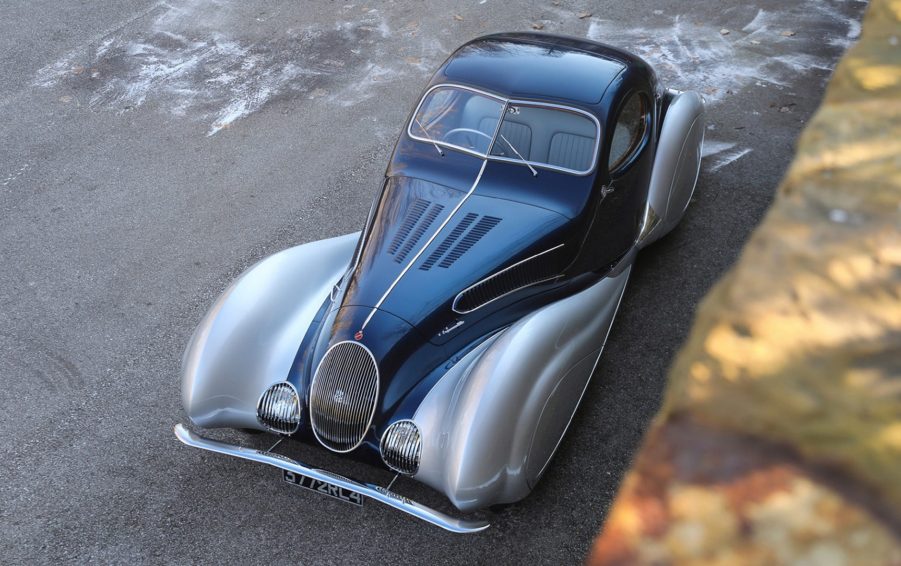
pixel 452 339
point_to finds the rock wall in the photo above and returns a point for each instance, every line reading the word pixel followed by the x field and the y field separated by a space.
pixel 780 436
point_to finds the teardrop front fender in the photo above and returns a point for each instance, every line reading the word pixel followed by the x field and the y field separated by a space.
pixel 249 338
pixel 493 421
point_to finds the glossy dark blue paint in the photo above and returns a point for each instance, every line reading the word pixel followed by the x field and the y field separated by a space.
pixel 534 69
pixel 408 333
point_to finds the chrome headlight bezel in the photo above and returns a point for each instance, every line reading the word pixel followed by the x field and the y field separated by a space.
pixel 401 447
pixel 278 408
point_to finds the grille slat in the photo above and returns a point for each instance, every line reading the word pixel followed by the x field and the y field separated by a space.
pixel 536 269
pixel 343 396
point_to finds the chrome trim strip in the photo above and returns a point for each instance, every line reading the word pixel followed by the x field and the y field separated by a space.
pixel 358 251
pixel 500 117
pixel 590 116
pixel 507 102
pixel 375 492
pixel 501 272
pixel 374 404
pixel 425 246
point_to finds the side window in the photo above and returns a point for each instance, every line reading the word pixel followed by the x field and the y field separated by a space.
pixel 631 126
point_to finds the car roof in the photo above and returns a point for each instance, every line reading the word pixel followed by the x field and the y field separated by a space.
pixel 537 66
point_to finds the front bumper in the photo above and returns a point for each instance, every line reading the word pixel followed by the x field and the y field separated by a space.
pixel 375 492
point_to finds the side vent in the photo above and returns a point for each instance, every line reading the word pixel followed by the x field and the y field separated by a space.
pixel 472 236
pixel 417 221
pixel 539 268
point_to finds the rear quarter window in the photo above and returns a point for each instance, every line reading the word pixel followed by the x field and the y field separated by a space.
pixel 630 130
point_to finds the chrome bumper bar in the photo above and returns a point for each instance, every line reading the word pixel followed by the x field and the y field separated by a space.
pixel 375 492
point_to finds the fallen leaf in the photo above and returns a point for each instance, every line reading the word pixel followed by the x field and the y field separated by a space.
pixel 788 33
pixel 724 31
pixel 413 60
pixel 537 26
pixel 458 17
pixel 583 15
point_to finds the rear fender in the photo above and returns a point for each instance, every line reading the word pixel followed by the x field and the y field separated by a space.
pixel 676 166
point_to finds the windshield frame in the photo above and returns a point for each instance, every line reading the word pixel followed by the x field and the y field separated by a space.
pixel 506 104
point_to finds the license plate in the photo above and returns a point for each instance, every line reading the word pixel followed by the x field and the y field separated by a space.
pixel 323 487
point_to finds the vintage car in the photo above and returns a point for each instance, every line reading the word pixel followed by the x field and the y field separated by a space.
pixel 451 340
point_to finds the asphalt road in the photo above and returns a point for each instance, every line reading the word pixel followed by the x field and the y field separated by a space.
pixel 150 151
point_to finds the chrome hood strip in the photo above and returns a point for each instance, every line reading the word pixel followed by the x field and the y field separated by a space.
pixel 375 492
pixel 426 245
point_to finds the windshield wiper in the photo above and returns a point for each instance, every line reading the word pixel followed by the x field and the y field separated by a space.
pixel 521 158
pixel 426 132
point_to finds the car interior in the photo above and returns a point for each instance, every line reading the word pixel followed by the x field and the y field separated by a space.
pixel 541 135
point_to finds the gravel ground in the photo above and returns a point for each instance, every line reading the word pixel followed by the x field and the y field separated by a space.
pixel 149 152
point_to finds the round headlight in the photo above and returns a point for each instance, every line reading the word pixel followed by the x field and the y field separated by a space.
pixel 279 408
pixel 401 447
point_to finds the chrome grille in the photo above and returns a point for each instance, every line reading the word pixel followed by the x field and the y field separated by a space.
pixel 279 409
pixel 343 396
pixel 401 447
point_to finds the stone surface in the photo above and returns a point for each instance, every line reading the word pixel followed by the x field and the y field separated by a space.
pixel 780 435
pixel 703 496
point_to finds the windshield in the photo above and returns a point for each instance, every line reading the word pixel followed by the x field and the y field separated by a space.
pixel 531 133
pixel 547 136
pixel 456 117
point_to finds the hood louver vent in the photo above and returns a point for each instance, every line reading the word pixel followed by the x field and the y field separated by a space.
pixel 417 218
pixel 473 235
pixel 449 241
pixel 537 269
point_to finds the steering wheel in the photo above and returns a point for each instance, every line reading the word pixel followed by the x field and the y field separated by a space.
pixel 457 132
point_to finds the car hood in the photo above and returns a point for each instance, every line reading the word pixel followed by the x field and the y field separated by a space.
pixel 428 242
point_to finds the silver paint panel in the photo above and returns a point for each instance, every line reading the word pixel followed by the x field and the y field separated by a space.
pixel 676 166
pixel 249 338
pixel 480 421
pixel 378 493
